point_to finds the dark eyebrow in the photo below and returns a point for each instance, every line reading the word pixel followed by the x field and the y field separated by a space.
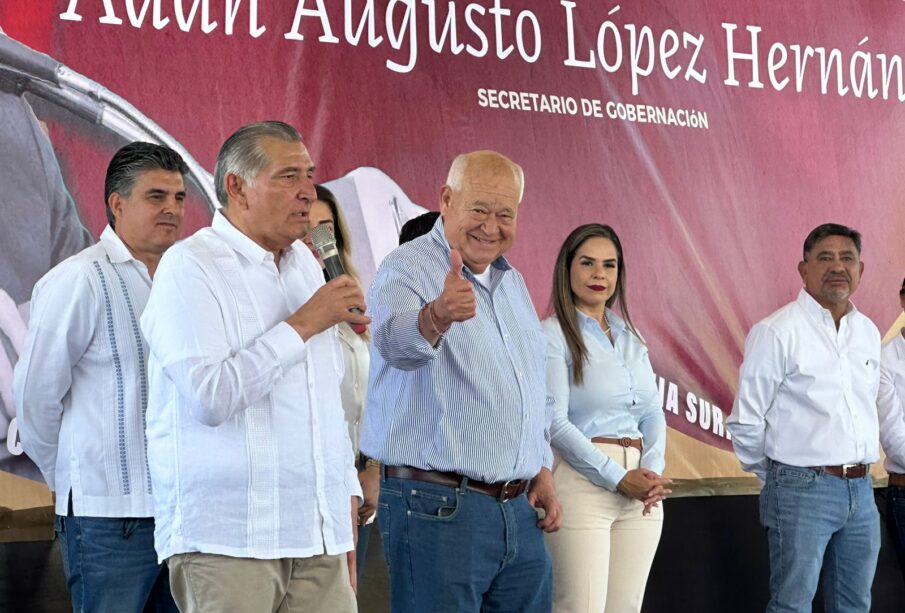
pixel 843 252
pixel 157 191
pixel 607 261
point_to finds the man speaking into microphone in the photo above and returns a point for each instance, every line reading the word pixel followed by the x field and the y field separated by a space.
pixel 457 407
pixel 255 488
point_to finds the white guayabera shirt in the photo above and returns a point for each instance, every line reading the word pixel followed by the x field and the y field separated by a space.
pixel 80 384
pixel 249 451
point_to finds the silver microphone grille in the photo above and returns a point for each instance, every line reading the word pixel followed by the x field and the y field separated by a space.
pixel 322 238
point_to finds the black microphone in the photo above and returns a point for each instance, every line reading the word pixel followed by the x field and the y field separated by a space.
pixel 323 240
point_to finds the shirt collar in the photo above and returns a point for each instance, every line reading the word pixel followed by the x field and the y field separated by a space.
pixel 615 322
pixel 115 247
pixel 813 307
pixel 241 242
pixel 438 234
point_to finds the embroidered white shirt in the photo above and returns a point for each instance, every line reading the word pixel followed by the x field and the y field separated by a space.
pixel 80 385
pixel 247 441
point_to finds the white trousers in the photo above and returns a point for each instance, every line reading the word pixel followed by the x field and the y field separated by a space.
pixel 603 552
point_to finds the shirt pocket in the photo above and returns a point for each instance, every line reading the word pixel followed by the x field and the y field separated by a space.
pixel 866 368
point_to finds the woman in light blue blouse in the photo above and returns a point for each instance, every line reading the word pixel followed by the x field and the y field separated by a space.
pixel 608 429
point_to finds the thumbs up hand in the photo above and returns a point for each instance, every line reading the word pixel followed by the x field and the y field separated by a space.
pixel 457 301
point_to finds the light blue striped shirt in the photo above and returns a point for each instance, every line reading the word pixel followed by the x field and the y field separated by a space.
pixel 618 398
pixel 477 403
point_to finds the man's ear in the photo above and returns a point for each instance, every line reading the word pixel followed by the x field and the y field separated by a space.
pixel 115 202
pixel 235 190
pixel 802 271
pixel 445 199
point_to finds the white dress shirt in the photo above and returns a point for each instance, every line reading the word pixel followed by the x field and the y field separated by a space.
pixel 247 441
pixel 890 404
pixel 80 385
pixel 354 387
pixel 807 393
pixel 893 349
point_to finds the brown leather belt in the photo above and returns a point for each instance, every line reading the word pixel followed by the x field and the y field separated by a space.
pixel 624 441
pixel 503 490
pixel 896 480
pixel 846 471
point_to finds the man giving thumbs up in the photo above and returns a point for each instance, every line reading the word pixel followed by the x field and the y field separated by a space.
pixel 457 407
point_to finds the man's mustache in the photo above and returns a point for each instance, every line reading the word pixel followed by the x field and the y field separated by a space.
pixel 835 276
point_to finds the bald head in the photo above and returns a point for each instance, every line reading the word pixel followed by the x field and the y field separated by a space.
pixel 469 167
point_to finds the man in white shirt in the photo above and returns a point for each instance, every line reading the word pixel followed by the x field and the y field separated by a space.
pixel 805 422
pixel 255 487
pixel 891 408
pixel 81 388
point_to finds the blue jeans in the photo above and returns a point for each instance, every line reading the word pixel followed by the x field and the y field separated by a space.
pixel 895 522
pixel 817 521
pixel 110 565
pixel 361 551
pixel 453 549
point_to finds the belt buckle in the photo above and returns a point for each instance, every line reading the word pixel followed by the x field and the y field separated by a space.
pixel 845 469
pixel 504 490
pixel 625 441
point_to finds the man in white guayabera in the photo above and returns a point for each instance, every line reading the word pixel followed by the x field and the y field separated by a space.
pixel 255 488
pixel 81 387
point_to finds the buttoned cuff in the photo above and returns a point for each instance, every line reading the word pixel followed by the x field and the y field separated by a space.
pixel 612 474
pixel 287 345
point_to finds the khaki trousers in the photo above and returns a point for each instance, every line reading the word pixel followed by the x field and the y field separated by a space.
pixel 603 552
pixel 208 583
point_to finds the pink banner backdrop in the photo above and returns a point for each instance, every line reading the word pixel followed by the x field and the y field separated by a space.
pixel 712 135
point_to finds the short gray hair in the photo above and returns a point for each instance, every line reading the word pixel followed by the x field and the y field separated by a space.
pixel 241 154
pixel 489 159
